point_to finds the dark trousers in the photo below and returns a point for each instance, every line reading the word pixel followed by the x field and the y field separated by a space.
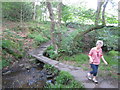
pixel 94 69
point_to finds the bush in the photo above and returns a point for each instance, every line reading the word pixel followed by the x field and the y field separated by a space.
pixel 65 80
pixel 40 38
pixel 51 69
pixel 15 46
pixel 113 53
pixel 67 41
pixel 50 52
pixel 12 48
pixel 110 37
pixel 50 47
pixel 4 63
pixel 32 36
pixel 41 30
pixel 46 33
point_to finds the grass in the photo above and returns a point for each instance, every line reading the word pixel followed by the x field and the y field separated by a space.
pixel 78 58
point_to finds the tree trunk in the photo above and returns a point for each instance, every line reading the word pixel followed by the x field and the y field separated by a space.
pixel 52 25
pixel 103 12
pixel 59 23
pixel 59 12
pixel 44 16
pixel 21 15
pixel 119 14
pixel 34 11
pixel 87 31
pixel 99 5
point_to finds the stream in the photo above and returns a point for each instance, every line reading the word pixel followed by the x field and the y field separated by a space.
pixel 26 76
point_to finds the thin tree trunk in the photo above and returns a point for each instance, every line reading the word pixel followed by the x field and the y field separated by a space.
pixel 99 5
pixel 44 16
pixel 34 11
pixel 59 12
pixel 21 15
pixel 103 12
pixel 52 25
pixel 59 23
pixel 119 13
pixel 87 31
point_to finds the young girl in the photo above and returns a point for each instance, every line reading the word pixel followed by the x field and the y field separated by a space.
pixel 95 55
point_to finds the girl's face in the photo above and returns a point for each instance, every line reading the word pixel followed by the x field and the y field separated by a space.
pixel 99 46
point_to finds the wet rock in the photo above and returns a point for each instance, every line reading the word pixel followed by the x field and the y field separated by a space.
pixel 50 76
pixel 44 71
pixel 49 81
pixel 49 73
pixel 40 54
pixel 38 64
pixel 42 75
pixel 31 82
pixel 21 65
pixel 8 72
pixel 31 60
pixel 27 66
pixel 14 63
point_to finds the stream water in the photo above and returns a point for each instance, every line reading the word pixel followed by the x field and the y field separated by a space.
pixel 34 77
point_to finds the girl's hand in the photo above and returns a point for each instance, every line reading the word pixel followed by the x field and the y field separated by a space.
pixel 106 63
pixel 104 60
pixel 91 61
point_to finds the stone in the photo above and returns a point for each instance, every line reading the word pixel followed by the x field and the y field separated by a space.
pixel 32 60
pixel 21 65
pixel 7 72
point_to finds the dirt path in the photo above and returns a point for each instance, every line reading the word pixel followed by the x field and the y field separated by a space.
pixel 78 73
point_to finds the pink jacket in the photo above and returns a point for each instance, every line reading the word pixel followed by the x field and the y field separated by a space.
pixel 96 55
